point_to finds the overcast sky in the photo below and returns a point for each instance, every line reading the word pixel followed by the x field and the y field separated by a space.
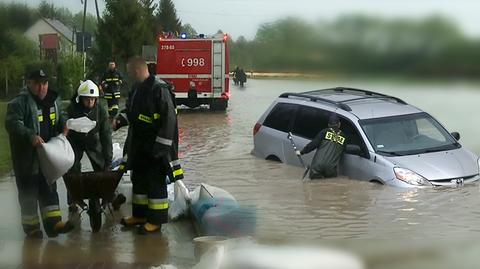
pixel 243 17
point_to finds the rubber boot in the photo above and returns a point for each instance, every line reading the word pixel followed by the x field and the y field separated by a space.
pixel 133 221
pixel 62 227
pixel 35 234
pixel 149 228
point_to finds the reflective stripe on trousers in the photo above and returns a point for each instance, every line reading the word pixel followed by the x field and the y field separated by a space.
pixel 30 220
pixel 157 204
pixel 140 199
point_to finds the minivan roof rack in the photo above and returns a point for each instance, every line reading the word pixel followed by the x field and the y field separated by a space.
pixel 367 94
pixel 316 99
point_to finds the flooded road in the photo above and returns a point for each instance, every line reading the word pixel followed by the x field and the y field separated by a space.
pixel 215 149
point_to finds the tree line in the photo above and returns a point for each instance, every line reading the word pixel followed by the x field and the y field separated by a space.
pixel 18 54
pixel 357 44
pixel 351 44
pixel 121 31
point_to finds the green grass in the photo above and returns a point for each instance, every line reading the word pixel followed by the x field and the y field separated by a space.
pixel 5 160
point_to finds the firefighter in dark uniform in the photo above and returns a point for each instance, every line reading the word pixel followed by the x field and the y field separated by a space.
pixel 33 117
pixel 97 143
pixel 151 146
pixel 111 82
pixel 329 143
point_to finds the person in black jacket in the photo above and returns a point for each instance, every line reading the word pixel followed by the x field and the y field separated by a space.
pixel 111 83
pixel 330 144
pixel 151 146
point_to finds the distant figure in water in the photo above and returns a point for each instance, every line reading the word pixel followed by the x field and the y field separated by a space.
pixel 239 76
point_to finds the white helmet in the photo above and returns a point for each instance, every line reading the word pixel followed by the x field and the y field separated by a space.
pixel 87 88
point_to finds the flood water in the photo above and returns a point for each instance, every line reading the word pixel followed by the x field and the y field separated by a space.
pixel 215 149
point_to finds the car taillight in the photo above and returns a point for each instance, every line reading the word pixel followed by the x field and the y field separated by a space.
pixel 256 128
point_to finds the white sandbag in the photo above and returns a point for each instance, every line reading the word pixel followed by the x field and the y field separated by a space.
pixel 117 156
pixel 179 205
pixel 81 125
pixel 55 157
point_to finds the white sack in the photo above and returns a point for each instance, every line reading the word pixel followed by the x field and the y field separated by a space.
pixel 81 125
pixel 55 157
pixel 117 155
pixel 179 205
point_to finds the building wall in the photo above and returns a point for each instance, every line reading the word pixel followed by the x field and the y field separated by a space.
pixel 41 27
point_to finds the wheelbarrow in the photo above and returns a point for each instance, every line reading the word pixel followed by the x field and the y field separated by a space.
pixel 94 186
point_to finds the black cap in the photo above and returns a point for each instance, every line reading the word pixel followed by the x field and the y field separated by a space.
pixel 38 75
pixel 333 119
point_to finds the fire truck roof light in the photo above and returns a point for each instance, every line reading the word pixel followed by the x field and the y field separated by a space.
pixel 183 36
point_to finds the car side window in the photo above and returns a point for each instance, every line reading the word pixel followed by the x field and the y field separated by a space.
pixel 353 136
pixel 281 117
pixel 309 121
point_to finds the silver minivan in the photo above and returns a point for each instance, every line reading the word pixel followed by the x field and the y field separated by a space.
pixel 388 141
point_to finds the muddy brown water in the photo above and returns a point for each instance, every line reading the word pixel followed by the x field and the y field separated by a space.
pixel 215 149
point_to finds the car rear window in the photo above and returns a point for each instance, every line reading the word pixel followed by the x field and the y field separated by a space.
pixel 281 117
pixel 309 121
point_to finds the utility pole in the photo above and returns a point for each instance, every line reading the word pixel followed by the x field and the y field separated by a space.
pixel 98 13
pixel 84 54
pixel 6 83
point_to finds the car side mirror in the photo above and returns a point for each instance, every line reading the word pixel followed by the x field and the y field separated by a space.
pixel 456 135
pixel 353 149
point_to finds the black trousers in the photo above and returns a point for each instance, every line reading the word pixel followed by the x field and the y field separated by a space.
pixel 150 197
pixel 35 194
pixel 324 172
pixel 112 98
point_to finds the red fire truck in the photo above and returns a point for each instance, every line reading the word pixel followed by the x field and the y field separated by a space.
pixel 198 69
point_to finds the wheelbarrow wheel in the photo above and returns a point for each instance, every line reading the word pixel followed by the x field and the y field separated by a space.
pixel 95 214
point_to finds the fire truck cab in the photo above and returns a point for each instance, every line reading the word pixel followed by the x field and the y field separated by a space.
pixel 197 68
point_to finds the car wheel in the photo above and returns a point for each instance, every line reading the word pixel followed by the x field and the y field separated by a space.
pixel 273 158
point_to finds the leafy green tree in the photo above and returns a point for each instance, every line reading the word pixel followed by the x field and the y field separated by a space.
pixel 90 22
pixel 149 7
pixel 64 15
pixel 189 30
pixel 47 10
pixel 69 74
pixel 121 33
pixel 18 16
pixel 166 17
pixel 433 46
pixel 240 53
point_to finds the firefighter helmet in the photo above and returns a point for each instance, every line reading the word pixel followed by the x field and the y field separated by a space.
pixel 87 88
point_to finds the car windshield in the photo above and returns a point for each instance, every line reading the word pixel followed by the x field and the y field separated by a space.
pixel 407 134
